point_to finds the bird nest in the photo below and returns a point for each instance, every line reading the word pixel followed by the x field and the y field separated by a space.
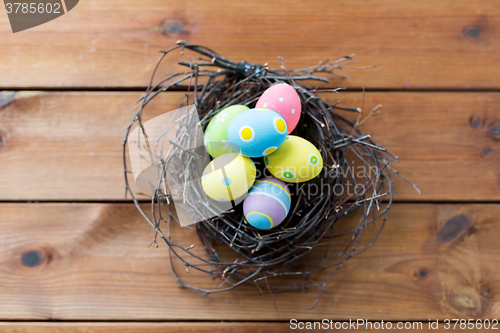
pixel 313 243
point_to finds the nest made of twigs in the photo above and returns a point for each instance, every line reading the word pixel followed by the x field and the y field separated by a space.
pixel 288 256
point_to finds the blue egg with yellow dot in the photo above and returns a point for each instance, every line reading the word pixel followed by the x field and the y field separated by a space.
pixel 257 132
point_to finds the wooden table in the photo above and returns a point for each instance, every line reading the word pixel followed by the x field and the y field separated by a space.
pixel 73 250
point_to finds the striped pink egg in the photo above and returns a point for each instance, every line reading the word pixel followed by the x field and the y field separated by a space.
pixel 283 99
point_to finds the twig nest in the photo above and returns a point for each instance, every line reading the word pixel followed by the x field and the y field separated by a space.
pixel 290 227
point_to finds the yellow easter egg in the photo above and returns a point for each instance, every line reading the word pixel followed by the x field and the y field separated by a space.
pixel 228 177
pixel 296 161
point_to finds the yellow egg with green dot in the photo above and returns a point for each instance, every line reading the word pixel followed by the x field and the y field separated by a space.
pixel 295 161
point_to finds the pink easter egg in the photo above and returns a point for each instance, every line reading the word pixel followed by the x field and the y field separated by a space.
pixel 283 99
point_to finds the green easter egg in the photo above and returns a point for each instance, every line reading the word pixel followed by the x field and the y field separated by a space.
pixel 216 132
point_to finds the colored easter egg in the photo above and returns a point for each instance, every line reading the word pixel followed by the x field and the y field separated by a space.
pixel 228 177
pixel 296 161
pixel 216 131
pixel 267 204
pixel 257 132
pixel 283 99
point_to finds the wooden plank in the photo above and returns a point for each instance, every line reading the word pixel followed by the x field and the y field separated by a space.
pixel 67 146
pixel 143 327
pixel 90 262
pixel 421 44
pixel 85 327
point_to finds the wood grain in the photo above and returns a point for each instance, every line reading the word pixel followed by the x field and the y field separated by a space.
pixel 143 327
pixel 421 44
pixel 90 262
pixel 67 146
pixel 202 327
